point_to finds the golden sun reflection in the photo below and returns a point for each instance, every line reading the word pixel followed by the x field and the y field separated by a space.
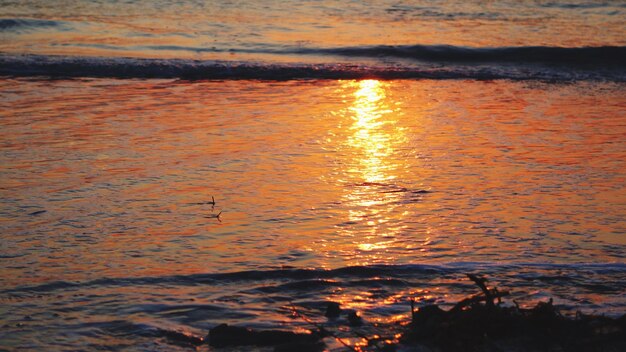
pixel 371 194
pixel 369 138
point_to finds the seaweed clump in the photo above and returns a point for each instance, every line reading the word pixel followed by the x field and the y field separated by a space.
pixel 481 323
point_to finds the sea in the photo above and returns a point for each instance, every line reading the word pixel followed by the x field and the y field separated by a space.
pixel 169 166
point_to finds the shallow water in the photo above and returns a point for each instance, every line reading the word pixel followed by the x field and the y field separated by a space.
pixel 108 236
pixel 229 29
pixel 283 40
pixel 360 152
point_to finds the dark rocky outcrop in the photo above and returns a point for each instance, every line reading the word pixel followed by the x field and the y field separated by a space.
pixel 224 335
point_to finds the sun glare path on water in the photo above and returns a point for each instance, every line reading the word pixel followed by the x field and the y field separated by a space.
pixel 373 139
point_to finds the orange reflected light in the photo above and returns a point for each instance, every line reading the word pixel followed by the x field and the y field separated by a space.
pixel 372 142
pixel 369 136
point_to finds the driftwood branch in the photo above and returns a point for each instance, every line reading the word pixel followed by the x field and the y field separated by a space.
pixel 477 299
pixel 480 282
pixel 488 295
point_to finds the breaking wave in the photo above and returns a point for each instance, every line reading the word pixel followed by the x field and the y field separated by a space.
pixel 27 24
pixel 600 277
pixel 586 56
pixel 424 62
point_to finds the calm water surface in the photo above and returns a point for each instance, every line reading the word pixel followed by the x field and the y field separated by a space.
pixel 106 230
pixel 504 155
pixel 238 30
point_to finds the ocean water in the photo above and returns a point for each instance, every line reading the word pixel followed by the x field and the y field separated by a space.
pixel 358 152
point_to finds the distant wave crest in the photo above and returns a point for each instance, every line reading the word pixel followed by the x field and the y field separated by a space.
pixel 599 56
pixel 22 24
pixel 549 64
pixel 596 277
pixel 589 56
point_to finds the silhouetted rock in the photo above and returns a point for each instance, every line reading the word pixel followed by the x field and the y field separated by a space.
pixel 224 335
pixel 301 347
pixel 428 314
pixel 333 310
pixel 354 319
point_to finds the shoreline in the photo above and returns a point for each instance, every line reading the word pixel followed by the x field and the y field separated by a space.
pixel 480 322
